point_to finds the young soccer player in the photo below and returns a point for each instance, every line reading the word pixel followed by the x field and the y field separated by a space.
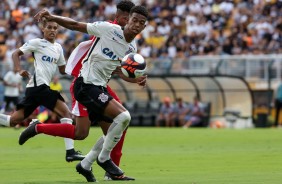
pixel 48 55
pixel 73 67
pixel 112 44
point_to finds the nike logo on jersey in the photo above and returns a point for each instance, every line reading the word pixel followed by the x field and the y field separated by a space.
pixel 118 35
pixel 42 46
pixel 115 40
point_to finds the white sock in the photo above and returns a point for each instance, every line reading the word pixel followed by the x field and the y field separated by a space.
pixel 5 120
pixel 114 134
pixel 91 157
pixel 69 143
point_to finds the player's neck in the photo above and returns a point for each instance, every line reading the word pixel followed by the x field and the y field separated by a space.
pixel 50 40
pixel 128 37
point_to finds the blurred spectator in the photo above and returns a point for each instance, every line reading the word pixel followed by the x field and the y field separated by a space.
pixel 179 112
pixel 13 87
pixel 56 85
pixel 278 104
pixel 166 113
pixel 31 30
pixel 195 113
pixel 17 14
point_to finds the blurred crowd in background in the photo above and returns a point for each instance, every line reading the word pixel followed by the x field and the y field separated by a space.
pixel 176 28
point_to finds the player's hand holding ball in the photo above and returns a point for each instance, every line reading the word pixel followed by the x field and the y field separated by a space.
pixel 133 65
pixel 142 80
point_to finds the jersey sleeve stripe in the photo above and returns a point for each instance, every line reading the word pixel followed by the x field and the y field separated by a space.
pixel 91 49
pixel 74 63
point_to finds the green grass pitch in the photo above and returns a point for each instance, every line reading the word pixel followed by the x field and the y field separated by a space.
pixel 153 156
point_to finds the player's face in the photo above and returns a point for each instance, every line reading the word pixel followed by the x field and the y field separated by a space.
pixel 122 18
pixel 136 23
pixel 50 31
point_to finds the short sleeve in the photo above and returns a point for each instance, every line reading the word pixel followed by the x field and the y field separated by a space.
pixel 7 77
pixel 98 28
pixel 62 60
pixel 29 46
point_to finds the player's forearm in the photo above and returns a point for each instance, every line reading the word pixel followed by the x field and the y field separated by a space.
pixel 16 60
pixel 69 23
pixel 127 79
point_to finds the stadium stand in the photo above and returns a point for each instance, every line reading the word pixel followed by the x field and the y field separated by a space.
pixel 176 28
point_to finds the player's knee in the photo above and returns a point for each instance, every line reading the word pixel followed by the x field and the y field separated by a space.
pixel 14 121
pixel 124 118
pixel 81 134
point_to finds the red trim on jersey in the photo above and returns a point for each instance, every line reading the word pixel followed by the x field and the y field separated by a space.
pixel 113 94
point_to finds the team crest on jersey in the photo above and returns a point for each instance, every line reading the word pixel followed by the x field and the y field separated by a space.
pixel 103 97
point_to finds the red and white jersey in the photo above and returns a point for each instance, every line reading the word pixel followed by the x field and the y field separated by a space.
pixel 74 63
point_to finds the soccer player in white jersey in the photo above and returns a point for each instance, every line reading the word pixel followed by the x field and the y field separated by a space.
pixel 73 67
pixel 112 44
pixel 48 55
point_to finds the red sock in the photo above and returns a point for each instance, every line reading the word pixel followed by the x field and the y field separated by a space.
pixel 116 152
pixel 61 130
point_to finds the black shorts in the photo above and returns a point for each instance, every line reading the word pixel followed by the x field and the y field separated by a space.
pixel 94 98
pixel 39 95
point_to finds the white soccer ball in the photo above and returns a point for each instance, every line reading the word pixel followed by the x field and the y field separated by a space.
pixel 133 65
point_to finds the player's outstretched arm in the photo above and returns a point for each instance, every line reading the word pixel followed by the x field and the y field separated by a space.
pixel 66 22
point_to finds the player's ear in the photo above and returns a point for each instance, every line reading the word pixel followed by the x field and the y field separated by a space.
pixel 144 27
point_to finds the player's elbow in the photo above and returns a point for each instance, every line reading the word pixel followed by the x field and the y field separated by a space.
pixel 79 26
pixel 16 53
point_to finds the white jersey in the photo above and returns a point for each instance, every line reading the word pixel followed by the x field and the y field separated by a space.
pixel 12 78
pixel 105 54
pixel 47 57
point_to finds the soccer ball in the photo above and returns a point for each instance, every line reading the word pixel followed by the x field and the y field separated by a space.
pixel 133 65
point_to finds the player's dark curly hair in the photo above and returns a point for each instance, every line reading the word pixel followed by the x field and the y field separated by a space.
pixel 140 10
pixel 125 5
